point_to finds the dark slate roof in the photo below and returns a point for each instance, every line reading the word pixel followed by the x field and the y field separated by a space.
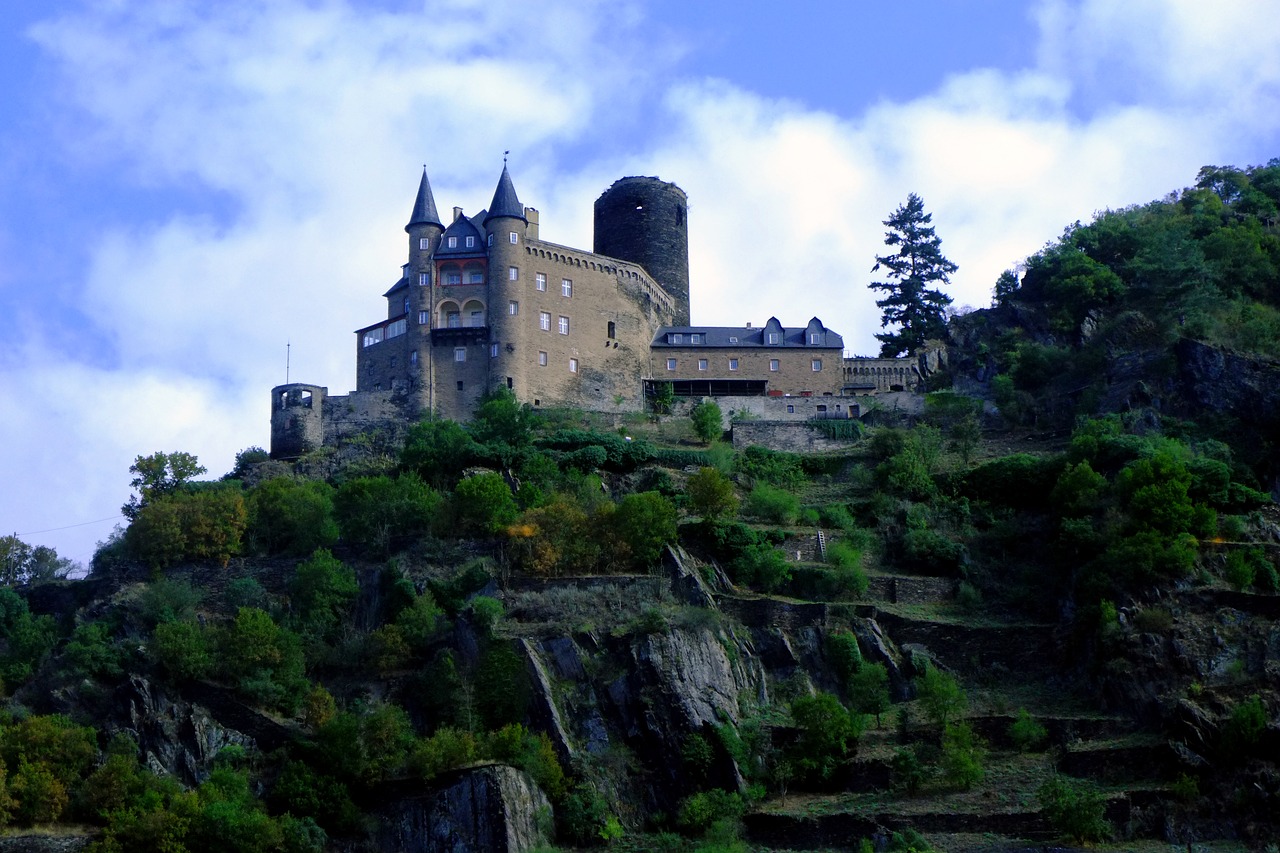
pixel 505 200
pixel 399 285
pixel 462 228
pixel 738 337
pixel 424 207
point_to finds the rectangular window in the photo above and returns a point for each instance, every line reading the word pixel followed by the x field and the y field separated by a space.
pixel 773 364
pixel 422 318
pixel 514 238
pixel 817 365
pixel 490 240
pixel 424 278
pixel 677 338
pixel 791 410
pixel 399 327
pixel 544 321
pixel 671 364
pixel 733 364
pixel 475 277
pixel 542 359
pixel 424 244
pixel 453 242
pixel 573 365
pixel 564 325
pixel 459 384
pixel 373 336
pixel 821 408
pixel 513 273
pixel 413 357
pixel 453 278
pixel 513 308
pixel 460 354
pixel 815 338
pixel 695 339
pixel 471 242
pixel 406 305
pixel 540 280
pixel 493 350
pixel 392 363
pixel 566 287
pixel 702 364
pixel 454 320
pixel 773 337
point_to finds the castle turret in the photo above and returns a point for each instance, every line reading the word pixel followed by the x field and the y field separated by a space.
pixel 506 230
pixel 643 220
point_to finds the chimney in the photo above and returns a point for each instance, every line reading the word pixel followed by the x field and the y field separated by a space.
pixel 457 214
pixel 748 325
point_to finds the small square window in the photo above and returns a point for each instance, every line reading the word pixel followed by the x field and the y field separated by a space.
pixel 695 339
pixel 733 364
pixel 424 278
pixel 513 273
pixel 542 359
pixel 573 365
pixel 424 244
pixel 671 364
pixel 564 325
pixel 817 365
pixel 460 354
pixel 702 364
pixel 513 308
pixel 544 321
pixel 566 287
pixel 475 277
pixel 471 242
pixel 514 238
pixel 493 350
pixel 422 318
pixel 540 280
pixel 773 364
pixel 453 242
pixel 791 410
pixel 733 339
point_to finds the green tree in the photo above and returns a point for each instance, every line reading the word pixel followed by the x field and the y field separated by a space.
pixel 869 690
pixel 484 503
pixel 912 303
pixel 1075 809
pixel 645 522
pixel 828 733
pixel 707 420
pixel 438 451
pixel 711 494
pixel 323 589
pixel 292 516
pixel 159 474
pixel 941 696
pixel 21 563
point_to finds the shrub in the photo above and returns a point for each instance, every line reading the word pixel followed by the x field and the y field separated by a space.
pixel 828 735
pixel 699 811
pixel 27 639
pixel 645 523
pixel 907 771
pixel 707 420
pixel 1244 727
pixel 502 687
pixel 773 505
pixel 940 695
pixel 1153 620
pixel 1027 734
pixel 322 589
pixel 869 690
pixel 373 511
pixel 438 451
pixel 91 652
pixel 711 494
pixel 182 649
pixel 761 566
pixel 204 526
pixel 842 650
pixel 264 660
pixel 1075 809
pixel 758 464
pixel 963 754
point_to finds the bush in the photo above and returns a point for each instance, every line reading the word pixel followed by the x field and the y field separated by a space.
pixel 869 690
pixel 773 505
pixel 1075 809
pixel 322 590
pixel 374 511
pixel 699 811
pixel 963 754
pixel 761 566
pixel 182 649
pixel 28 639
pixel 446 749
pixel 292 516
pixel 484 504
pixel 829 734
pixel 711 494
pixel 1243 729
pixel 940 695
pixel 645 523
pixel 707 420
pixel 204 526
pixel 1026 733
pixel 758 464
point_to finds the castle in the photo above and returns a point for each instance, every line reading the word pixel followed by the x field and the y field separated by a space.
pixel 484 302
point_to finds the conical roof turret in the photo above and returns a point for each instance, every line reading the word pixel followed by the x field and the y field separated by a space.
pixel 505 201
pixel 424 207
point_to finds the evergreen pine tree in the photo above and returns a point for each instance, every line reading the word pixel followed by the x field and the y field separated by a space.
pixel 910 304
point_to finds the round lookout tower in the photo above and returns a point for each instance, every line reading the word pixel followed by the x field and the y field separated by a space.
pixel 644 220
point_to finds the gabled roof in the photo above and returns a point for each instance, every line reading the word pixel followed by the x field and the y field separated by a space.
pixel 462 227
pixel 505 201
pixel 399 285
pixel 424 207
pixel 742 337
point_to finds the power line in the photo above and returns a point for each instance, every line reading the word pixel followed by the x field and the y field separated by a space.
pixel 69 526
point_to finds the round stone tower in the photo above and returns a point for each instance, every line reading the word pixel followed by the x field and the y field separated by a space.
pixel 297 419
pixel 506 229
pixel 644 220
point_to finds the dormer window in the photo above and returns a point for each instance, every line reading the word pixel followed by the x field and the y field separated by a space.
pixel 774 337
pixel 471 242
pixel 453 242
pixel 815 338
pixel 695 339
pixel 733 339
pixel 677 338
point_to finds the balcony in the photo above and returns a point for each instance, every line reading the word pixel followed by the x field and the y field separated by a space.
pixel 459 336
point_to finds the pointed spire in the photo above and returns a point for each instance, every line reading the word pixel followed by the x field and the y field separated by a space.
pixel 424 208
pixel 505 201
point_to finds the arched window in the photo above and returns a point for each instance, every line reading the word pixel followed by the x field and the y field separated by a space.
pixel 448 315
pixel 473 313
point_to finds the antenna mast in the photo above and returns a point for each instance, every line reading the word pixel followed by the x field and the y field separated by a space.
pixel 288 346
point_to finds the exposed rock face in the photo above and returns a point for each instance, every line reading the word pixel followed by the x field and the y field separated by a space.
pixel 176 737
pixel 44 843
pixel 492 809
pixel 1223 381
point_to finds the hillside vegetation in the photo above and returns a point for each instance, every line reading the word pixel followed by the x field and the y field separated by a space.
pixel 1041 612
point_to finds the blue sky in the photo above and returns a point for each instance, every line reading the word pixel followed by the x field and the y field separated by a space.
pixel 187 190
